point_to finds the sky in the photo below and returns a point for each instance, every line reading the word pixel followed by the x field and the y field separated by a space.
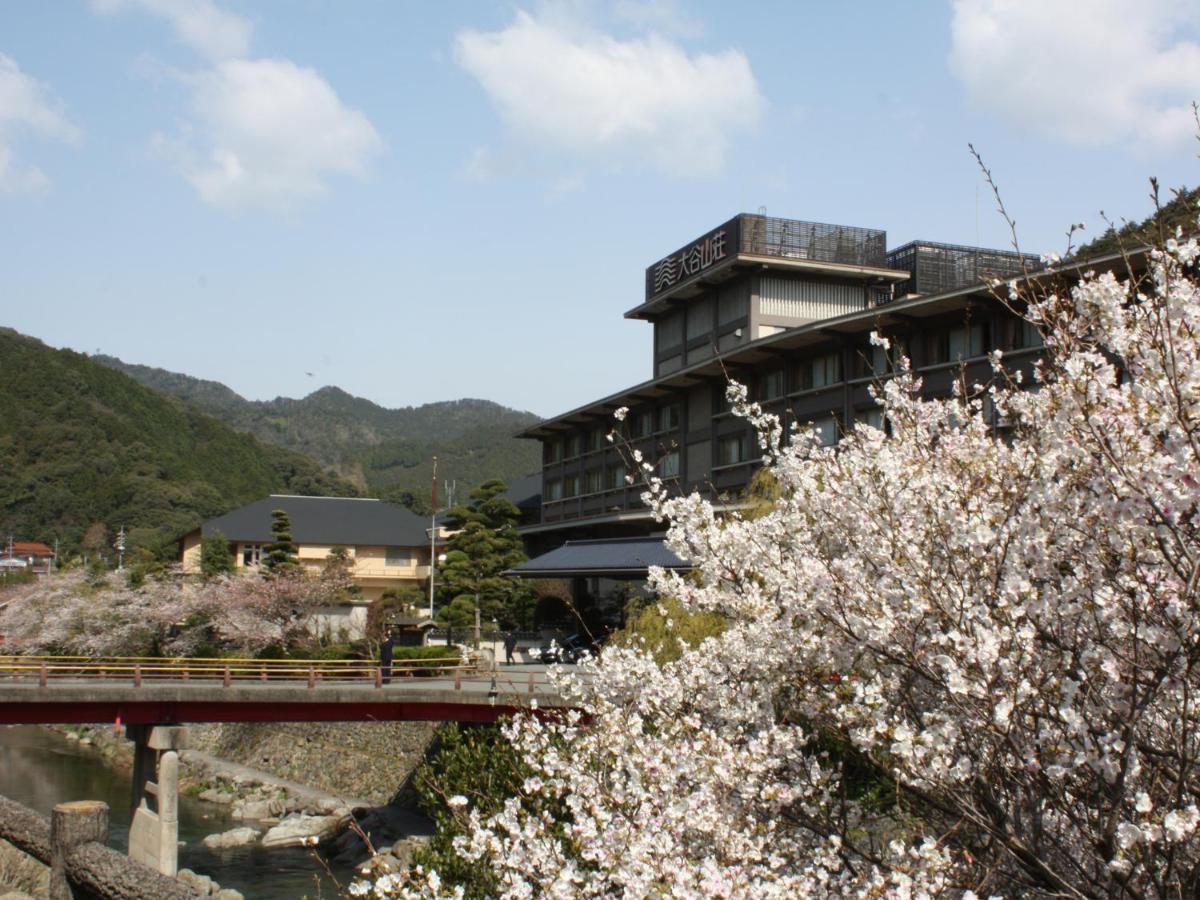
pixel 421 201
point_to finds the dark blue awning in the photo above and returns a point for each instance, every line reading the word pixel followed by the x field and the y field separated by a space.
pixel 611 558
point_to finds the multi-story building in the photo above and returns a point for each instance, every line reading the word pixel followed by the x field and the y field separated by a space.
pixel 787 308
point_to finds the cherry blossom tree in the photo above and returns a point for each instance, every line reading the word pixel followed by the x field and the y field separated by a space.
pixel 960 659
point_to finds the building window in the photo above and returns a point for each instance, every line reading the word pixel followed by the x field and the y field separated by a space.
pixel 575 444
pixel 668 466
pixel 825 430
pixel 871 362
pixel 819 372
pixel 554 490
pixel 872 417
pixel 1025 335
pixel 572 485
pixel 956 344
pixel 771 386
pixel 597 439
pixel 251 554
pixel 595 481
pixel 668 417
pixel 553 452
pixel 644 424
pixel 731 450
pixel 616 476
pixel 397 556
pixel 668 332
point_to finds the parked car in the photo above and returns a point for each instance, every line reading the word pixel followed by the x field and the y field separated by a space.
pixel 574 649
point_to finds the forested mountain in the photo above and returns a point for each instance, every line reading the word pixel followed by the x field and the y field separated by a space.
pixel 385 452
pixel 1178 211
pixel 82 445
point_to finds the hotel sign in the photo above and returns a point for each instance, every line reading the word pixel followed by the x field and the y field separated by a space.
pixel 716 246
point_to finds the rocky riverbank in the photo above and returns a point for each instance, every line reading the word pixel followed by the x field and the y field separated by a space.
pixel 341 787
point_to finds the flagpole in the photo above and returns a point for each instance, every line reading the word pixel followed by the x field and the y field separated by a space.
pixel 433 539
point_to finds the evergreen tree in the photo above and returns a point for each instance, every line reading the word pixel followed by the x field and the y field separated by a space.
pixel 486 544
pixel 281 552
pixel 215 556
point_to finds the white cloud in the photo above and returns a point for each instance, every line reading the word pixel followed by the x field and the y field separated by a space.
pixel 267 133
pixel 207 29
pixel 26 105
pixel 1102 72
pixel 568 89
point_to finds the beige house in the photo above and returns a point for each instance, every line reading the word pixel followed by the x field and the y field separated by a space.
pixel 387 544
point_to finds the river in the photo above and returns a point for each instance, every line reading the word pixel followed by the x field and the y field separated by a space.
pixel 40 768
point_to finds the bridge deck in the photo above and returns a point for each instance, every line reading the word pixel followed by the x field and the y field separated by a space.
pixel 467 695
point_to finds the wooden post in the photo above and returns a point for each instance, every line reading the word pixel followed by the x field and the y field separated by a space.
pixel 42 675
pixel 137 674
pixel 72 824
pixel 312 678
pixel 531 682
pixel 225 678
pixel 458 679
pixel 378 677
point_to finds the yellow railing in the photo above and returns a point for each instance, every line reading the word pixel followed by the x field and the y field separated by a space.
pixel 141 668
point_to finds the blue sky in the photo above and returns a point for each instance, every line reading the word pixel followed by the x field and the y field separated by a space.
pixel 419 201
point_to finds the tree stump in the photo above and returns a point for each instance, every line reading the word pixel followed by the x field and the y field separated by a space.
pixel 73 824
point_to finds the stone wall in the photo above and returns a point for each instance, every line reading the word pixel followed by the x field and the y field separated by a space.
pixel 372 761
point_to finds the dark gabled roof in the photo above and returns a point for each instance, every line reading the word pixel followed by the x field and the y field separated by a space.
pixel 611 557
pixel 526 493
pixel 325 520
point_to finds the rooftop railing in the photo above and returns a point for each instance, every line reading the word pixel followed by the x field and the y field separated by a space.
pixel 793 239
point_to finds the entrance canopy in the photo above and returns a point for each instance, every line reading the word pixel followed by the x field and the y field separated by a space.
pixel 603 558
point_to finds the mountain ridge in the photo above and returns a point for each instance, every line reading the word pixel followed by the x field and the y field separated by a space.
pixel 384 451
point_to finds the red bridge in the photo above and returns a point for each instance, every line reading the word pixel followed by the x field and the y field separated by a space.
pixel 136 691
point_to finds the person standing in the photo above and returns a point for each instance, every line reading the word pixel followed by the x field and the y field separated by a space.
pixel 510 644
pixel 385 658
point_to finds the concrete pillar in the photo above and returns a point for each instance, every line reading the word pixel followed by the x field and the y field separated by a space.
pixel 154 831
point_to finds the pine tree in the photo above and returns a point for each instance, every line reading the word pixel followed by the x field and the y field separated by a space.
pixel 281 552
pixel 215 556
pixel 487 543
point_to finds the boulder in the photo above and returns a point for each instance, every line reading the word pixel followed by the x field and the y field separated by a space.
pixel 228 894
pixel 259 809
pixel 294 831
pixel 201 883
pixel 235 837
pixel 216 795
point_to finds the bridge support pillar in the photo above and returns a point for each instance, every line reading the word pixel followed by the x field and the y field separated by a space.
pixel 154 831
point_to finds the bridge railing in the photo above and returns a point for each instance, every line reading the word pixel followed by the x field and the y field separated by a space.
pixel 227 671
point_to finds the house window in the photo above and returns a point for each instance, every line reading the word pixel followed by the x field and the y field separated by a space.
pixel 819 372
pixel 1025 335
pixel 668 417
pixel 731 450
pixel 554 490
pixel 251 554
pixel 597 439
pixel 595 481
pixel 553 451
pixel 572 485
pixel 771 385
pixel 397 556
pixel 616 477
pixel 668 467
pixel 575 444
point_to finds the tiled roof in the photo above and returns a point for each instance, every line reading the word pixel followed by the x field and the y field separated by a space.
pixel 325 520
pixel 604 557
pixel 26 547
